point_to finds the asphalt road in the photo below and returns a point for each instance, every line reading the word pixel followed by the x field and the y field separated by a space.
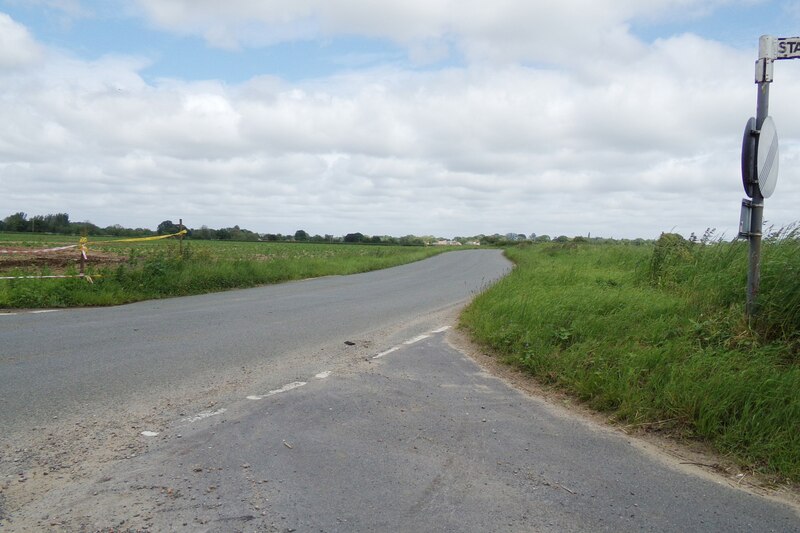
pixel 397 431
pixel 66 362
pixel 418 438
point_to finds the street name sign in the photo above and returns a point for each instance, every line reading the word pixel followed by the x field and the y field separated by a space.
pixel 787 48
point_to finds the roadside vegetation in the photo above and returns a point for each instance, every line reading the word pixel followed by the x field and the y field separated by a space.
pixel 128 272
pixel 656 336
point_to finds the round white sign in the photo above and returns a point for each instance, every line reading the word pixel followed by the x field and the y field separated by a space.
pixel 767 158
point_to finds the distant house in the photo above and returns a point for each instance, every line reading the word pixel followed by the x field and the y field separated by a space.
pixel 445 242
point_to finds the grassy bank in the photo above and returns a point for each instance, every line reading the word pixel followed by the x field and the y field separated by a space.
pixel 124 272
pixel 655 335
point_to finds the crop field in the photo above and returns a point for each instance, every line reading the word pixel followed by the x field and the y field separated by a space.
pixel 656 336
pixel 123 272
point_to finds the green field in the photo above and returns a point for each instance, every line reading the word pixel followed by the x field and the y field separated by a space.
pixel 655 336
pixel 127 272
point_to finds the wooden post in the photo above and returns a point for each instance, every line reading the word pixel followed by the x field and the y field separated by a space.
pixel 180 228
pixel 82 250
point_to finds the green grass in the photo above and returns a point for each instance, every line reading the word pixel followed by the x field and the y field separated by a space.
pixel 158 269
pixel 656 337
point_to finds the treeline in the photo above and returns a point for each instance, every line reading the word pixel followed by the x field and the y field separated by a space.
pixel 60 223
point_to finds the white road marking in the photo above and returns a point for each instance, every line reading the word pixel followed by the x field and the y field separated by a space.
pixel 8 314
pixel 149 433
pixel 204 414
pixel 39 312
pixel 417 339
pixel 285 388
pixel 323 375
pixel 387 352
pixel 412 341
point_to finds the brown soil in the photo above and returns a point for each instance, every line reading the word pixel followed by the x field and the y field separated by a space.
pixel 56 262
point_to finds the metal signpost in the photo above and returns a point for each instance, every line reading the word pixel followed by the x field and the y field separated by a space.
pixel 760 157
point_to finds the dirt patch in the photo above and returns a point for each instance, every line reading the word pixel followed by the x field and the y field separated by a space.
pixel 56 262
pixel 693 457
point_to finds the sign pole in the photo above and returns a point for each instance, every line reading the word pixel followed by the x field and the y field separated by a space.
pixel 766 56
pixel 760 158
pixel 757 215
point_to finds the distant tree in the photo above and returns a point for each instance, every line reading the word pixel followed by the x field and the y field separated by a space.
pixel 204 233
pixel 561 238
pixel 411 240
pixel 492 239
pixel 58 223
pixel 17 222
pixel 115 230
pixel 167 227
pixel 354 237
pixel 84 228
pixel 543 238
pixel 300 235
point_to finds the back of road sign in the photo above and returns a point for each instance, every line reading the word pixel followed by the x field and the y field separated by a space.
pixel 767 158
pixel 749 157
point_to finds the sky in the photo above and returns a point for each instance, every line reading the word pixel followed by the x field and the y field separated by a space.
pixel 609 118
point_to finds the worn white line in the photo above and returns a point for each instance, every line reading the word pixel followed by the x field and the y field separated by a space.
pixel 41 311
pixel 204 414
pixel 8 314
pixel 285 388
pixel 323 375
pixel 386 352
pixel 441 330
pixel 417 339
pixel 149 433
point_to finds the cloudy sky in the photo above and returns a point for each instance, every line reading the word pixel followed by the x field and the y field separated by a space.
pixel 618 118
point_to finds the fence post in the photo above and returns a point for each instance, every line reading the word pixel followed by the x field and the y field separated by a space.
pixel 82 249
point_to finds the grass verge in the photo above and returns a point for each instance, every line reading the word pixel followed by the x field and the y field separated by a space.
pixel 655 335
pixel 151 271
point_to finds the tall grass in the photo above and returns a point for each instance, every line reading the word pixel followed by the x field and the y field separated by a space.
pixel 657 337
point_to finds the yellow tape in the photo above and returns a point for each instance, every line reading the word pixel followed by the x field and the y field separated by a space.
pixel 83 245
pixel 142 239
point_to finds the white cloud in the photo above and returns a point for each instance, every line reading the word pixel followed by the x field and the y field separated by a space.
pixel 17 47
pixel 503 30
pixel 624 145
